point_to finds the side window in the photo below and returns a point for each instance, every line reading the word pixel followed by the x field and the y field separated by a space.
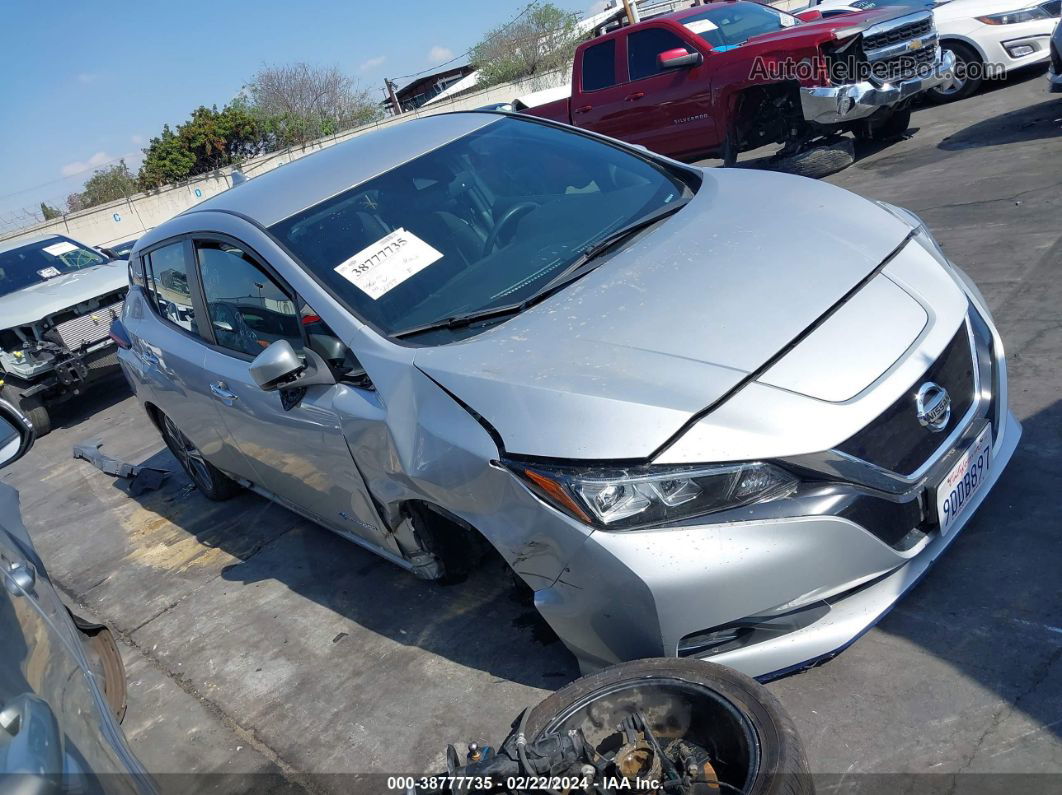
pixel 643 47
pixel 599 66
pixel 166 272
pixel 248 310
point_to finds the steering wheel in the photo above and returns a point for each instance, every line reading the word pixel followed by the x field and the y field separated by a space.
pixel 507 218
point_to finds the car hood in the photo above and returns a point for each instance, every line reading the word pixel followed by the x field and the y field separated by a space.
pixel 614 365
pixel 37 301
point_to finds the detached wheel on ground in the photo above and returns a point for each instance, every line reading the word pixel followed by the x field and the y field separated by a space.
pixel 967 75
pixel 727 727
pixel 817 161
pixel 210 480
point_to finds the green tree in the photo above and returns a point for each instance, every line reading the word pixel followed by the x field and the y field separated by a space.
pixel 165 160
pixel 107 184
pixel 49 212
pixel 209 140
pixel 542 39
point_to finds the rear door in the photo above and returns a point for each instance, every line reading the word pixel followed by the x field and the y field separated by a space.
pixel 598 92
pixel 673 107
pixel 168 351
pixel 296 452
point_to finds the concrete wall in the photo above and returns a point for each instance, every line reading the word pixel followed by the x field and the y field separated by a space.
pixel 129 218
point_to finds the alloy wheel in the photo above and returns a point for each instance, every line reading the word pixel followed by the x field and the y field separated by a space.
pixel 189 456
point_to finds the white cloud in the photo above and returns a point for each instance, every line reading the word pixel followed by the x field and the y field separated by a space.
pixel 78 166
pixel 137 140
pixel 438 54
pixel 372 63
pixel 86 77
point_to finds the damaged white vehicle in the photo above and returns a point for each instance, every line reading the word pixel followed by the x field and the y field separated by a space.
pixel 687 432
pixel 57 300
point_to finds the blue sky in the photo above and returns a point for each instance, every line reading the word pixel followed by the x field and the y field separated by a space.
pixel 84 83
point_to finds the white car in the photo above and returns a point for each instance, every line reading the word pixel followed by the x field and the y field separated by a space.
pixel 988 37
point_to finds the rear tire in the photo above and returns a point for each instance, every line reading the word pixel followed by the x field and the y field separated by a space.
pixel 783 766
pixel 819 161
pixel 210 480
pixel 963 85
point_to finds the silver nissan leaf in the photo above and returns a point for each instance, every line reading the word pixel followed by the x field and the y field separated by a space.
pixel 725 414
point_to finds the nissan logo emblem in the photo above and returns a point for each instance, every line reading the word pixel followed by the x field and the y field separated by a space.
pixel 933 406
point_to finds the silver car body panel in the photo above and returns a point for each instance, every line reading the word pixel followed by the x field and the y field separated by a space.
pixel 704 339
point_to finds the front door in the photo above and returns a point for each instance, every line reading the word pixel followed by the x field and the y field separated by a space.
pixel 298 453
pixel 672 107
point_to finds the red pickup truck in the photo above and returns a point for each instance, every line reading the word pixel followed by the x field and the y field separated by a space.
pixel 728 77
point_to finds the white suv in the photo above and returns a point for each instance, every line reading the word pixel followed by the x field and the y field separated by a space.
pixel 988 37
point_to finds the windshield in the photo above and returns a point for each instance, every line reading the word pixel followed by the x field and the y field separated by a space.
pixel 43 260
pixel 727 26
pixel 481 222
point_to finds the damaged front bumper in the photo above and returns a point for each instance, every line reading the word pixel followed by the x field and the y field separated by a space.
pixel 837 104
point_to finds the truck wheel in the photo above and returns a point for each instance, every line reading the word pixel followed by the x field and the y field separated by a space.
pixel 37 414
pixel 893 126
pixel 964 84
pixel 818 161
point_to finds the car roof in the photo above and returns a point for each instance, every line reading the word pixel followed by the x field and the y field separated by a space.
pixel 302 183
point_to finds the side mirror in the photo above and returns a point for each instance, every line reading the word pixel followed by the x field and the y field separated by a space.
pixel 678 58
pixel 810 15
pixel 16 434
pixel 279 367
pixel 275 365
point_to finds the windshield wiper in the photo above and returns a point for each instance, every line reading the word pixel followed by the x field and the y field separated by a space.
pixel 576 269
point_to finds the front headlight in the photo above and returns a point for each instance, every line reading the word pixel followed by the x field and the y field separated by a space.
pixel 631 498
pixel 925 239
pixel 1014 17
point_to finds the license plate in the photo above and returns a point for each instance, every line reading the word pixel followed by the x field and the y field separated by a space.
pixel 959 487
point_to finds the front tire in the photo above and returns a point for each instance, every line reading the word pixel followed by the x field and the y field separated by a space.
pixel 964 84
pixel 780 766
pixel 37 413
pixel 210 480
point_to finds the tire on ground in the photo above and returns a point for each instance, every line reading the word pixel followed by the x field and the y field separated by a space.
pixel 37 413
pixel 783 766
pixel 215 485
pixel 819 161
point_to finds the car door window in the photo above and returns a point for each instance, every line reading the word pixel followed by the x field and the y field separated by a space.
pixel 644 46
pixel 599 66
pixel 166 272
pixel 248 310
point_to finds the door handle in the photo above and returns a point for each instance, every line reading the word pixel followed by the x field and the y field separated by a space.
pixel 634 96
pixel 22 578
pixel 584 109
pixel 220 390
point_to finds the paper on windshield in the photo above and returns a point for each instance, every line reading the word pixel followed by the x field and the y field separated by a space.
pixel 48 273
pixel 701 26
pixel 391 260
pixel 62 247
